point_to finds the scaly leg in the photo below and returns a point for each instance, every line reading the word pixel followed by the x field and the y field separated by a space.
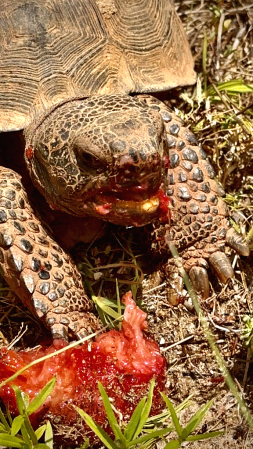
pixel 41 274
pixel 199 225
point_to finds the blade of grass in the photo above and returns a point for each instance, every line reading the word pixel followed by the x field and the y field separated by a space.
pixel 118 302
pixel 9 416
pixel 102 435
pixel 173 414
pixel 16 424
pixel 41 446
pixel 204 436
pixel 155 434
pixel 174 444
pixel 134 420
pixel 49 435
pixel 110 415
pixel 2 428
pixel 40 431
pixel 157 419
pixel 108 310
pixel 204 59
pixel 146 409
pixel 25 435
pixel 196 419
pixel 10 441
pixel 4 421
pixel 30 430
pixel 41 396
pixel 19 399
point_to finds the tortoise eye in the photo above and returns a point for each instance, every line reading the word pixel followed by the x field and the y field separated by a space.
pixel 87 162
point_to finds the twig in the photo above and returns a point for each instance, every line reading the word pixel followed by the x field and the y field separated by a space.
pixel 222 17
pixel 155 288
pixel 223 328
pixel 19 336
pixel 177 343
pixel 246 368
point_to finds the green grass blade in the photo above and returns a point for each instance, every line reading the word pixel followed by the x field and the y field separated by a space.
pixel 134 421
pixel 3 429
pixel 110 415
pixel 85 444
pixel 111 303
pixel 30 431
pixel 10 441
pixel 19 399
pixel 102 435
pixel 204 436
pixel 106 309
pixel 152 435
pixel 16 424
pixel 39 432
pixel 173 415
pixel 41 397
pixel 118 303
pixel 4 421
pixel 25 436
pixel 161 417
pixel 102 316
pixel 196 419
pixel 49 435
pixel 9 416
pixel 146 409
pixel 41 446
pixel 174 444
pixel 204 59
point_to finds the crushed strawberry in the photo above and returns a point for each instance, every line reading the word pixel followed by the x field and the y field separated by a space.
pixel 103 209
pixel 124 362
pixel 164 202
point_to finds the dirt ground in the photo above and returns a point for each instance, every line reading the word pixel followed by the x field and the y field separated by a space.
pixel 226 135
pixel 191 365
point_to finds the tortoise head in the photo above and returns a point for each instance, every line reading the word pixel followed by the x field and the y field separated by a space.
pixel 101 156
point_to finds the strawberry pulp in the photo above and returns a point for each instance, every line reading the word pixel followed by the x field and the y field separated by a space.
pixel 124 362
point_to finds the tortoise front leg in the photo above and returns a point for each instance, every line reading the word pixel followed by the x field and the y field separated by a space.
pixel 41 274
pixel 199 225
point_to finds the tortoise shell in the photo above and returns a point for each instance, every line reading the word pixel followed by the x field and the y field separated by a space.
pixel 51 50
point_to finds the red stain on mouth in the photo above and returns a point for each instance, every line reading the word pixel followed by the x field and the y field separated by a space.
pixel 103 209
pixel 29 152
pixel 124 362
pixel 164 206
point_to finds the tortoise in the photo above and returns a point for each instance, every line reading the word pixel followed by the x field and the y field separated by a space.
pixel 94 150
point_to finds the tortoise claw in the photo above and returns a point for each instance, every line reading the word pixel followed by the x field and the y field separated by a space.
pixel 59 332
pixel 82 334
pixel 175 283
pixel 221 263
pixel 237 242
pixel 200 281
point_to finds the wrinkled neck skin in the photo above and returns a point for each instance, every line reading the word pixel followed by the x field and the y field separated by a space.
pixel 100 156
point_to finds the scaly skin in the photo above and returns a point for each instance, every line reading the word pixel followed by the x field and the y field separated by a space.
pixel 37 269
pixel 198 226
pixel 95 150
pixel 105 156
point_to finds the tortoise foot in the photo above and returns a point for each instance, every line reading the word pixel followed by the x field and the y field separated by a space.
pixel 198 222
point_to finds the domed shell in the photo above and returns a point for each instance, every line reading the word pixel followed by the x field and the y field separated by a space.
pixel 51 50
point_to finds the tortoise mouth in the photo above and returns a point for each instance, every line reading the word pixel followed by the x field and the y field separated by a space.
pixel 128 207
pixel 104 203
